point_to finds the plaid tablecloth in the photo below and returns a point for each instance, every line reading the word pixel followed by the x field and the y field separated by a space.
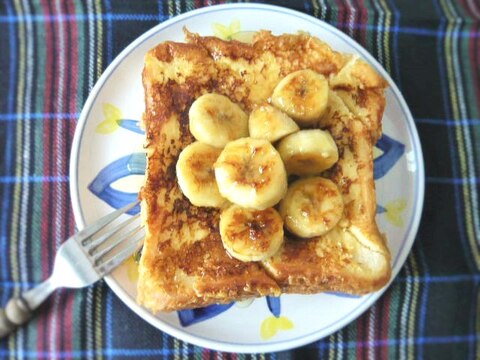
pixel 51 54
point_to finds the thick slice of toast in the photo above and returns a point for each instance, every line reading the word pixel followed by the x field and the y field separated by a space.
pixel 183 263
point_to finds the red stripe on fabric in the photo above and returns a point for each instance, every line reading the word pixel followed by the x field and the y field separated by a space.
pixel 474 53
pixel 387 300
pixel 72 45
pixel 63 335
pixel 197 3
pixel 361 335
pixel 363 20
pixel 470 8
pixel 205 354
pixel 56 318
pixel 43 323
pixel 341 18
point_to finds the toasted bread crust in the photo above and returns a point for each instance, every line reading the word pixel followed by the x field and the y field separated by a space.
pixel 183 263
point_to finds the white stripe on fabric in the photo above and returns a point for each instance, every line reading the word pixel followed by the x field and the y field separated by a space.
pixel 91 44
pixel 16 342
pixel 371 332
pixel 351 19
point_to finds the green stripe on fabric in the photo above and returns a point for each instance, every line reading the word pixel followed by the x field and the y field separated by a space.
pixel 351 336
pixel 36 198
pixel 83 59
pixel 369 34
pixel 40 53
pixel 395 296
pixel 190 5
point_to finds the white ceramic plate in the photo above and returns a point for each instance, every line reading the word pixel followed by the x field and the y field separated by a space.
pixel 103 171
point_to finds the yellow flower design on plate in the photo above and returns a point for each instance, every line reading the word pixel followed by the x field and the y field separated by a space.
pixel 225 32
pixel 132 269
pixel 394 210
pixel 112 114
pixel 271 325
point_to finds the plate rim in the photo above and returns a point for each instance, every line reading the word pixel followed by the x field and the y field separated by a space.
pixel 369 299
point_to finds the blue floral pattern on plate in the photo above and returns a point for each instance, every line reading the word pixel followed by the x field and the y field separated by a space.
pixel 135 164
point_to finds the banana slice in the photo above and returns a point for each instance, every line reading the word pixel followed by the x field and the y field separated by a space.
pixel 196 176
pixel 312 207
pixel 251 235
pixel 215 120
pixel 308 152
pixel 250 173
pixel 269 123
pixel 303 95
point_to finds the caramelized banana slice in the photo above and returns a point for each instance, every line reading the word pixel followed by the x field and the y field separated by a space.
pixel 251 235
pixel 215 120
pixel 312 207
pixel 196 176
pixel 308 152
pixel 303 95
pixel 269 123
pixel 250 173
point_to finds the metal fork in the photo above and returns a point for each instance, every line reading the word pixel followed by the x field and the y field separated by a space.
pixel 83 259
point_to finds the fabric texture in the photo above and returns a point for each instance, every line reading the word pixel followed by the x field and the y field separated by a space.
pixel 52 53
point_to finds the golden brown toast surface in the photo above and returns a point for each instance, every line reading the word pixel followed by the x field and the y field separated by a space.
pixel 184 264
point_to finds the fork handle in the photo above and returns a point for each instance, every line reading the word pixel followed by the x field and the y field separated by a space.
pixel 20 309
pixel 15 313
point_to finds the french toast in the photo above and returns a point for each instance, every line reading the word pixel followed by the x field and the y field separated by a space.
pixel 183 263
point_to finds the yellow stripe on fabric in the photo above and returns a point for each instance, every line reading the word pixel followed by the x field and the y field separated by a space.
pixel 171 12
pixel 381 15
pixel 99 44
pixel 331 350
pixel 386 35
pixel 176 347
pixel 413 307
pixel 99 321
pixel 451 56
pixel 18 149
pixel 316 8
